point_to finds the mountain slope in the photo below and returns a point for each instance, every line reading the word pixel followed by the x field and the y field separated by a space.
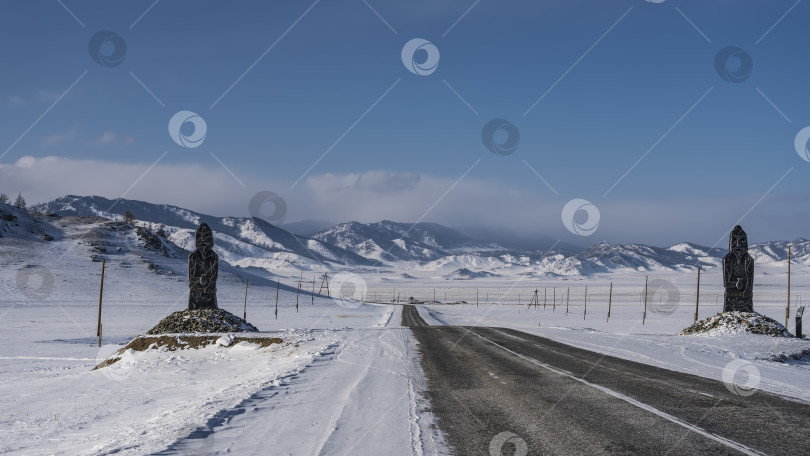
pixel 239 236
pixel 252 242
pixel 392 241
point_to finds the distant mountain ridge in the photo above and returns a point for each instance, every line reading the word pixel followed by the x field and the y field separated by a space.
pixel 243 236
pixel 392 241
pixel 252 242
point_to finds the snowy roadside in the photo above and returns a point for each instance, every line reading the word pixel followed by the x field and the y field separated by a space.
pixel 364 396
pixel 655 343
pixel 339 391
pixel 147 399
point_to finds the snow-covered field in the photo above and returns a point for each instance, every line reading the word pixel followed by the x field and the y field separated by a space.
pixel 345 380
pixel 332 391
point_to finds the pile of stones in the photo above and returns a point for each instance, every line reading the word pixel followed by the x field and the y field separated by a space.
pixel 738 323
pixel 202 321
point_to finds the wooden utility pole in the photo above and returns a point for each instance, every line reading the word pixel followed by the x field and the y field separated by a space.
pixel 300 280
pixel 100 295
pixel 325 280
pixel 697 300
pixel 644 316
pixel 476 298
pixel 313 291
pixel 277 286
pixel 787 309
pixel 244 311
pixel 567 299
pixel 545 297
pixel 487 301
pixel 586 303
pixel 554 301
pixel 534 300
pixel 610 301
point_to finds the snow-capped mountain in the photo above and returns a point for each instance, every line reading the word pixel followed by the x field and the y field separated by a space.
pixel 242 240
pixel 428 247
pixel 642 257
pixel 391 241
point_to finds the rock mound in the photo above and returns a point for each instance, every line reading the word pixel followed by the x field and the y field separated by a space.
pixel 738 323
pixel 202 321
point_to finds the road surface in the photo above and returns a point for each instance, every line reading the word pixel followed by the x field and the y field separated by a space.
pixel 500 391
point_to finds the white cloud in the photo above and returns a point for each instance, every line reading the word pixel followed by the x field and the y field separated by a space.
pixel 110 138
pixel 106 138
pixel 60 138
pixel 40 96
pixel 195 187
pixel 386 181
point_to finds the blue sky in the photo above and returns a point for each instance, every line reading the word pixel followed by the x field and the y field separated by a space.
pixel 616 78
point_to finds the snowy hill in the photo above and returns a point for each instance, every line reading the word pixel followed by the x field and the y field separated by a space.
pixel 54 246
pixel 248 241
pixel 391 241
pixel 646 258
pixel 428 247
pixel 20 224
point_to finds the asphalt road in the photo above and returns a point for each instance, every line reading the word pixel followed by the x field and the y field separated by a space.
pixel 556 399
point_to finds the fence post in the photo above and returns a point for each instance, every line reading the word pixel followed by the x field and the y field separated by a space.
pixel 697 300
pixel 100 295
pixel 244 310
pixel 610 301
pixel 298 292
pixel 644 316
pixel 567 299
pixel 586 303
pixel 787 309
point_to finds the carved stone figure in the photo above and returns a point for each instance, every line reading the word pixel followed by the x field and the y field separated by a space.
pixel 203 269
pixel 738 273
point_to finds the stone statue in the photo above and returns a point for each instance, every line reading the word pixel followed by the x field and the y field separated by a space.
pixel 738 273
pixel 203 269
